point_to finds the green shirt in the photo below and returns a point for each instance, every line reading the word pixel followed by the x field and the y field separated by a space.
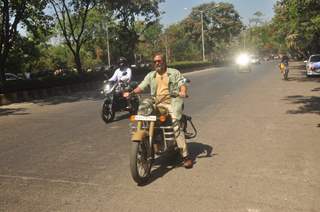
pixel 176 79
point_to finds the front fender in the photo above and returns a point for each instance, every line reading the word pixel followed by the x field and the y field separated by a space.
pixel 139 135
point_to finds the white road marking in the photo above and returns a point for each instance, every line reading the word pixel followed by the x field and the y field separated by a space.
pixel 48 180
pixel 253 210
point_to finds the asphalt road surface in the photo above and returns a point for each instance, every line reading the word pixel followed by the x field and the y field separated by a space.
pixel 257 150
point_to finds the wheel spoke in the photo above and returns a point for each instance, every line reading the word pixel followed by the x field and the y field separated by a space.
pixel 142 161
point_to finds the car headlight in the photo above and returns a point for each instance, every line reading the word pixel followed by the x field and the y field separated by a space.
pixel 242 59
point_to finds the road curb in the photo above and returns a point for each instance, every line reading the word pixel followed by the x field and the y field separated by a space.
pixel 23 96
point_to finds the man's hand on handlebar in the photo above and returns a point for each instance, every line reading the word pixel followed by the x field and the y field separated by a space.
pixel 126 94
pixel 183 94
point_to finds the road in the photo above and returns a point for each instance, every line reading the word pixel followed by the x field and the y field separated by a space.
pixel 257 150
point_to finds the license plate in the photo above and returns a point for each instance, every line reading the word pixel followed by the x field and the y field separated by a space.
pixel 145 118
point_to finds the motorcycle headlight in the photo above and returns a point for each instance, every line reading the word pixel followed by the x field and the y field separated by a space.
pixel 146 107
pixel 107 88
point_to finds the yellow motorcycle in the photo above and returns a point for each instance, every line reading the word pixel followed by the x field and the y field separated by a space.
pixel 284 70
pixel 153 135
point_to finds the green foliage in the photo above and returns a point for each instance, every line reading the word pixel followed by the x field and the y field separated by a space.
pixel 127 12
pixel 183 65
pixel 151 40
pixel 221 22
pixel 31 16
pixel 296 25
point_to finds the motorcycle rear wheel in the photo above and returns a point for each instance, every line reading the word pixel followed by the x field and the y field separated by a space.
pixel 140 162
pixel 107 112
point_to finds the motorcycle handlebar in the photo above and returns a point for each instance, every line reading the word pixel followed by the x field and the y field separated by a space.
pixel 177 95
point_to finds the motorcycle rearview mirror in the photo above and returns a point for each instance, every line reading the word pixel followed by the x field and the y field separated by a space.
pixel 186 80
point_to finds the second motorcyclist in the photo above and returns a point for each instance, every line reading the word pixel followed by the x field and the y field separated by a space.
pixel 123 73
pixel 162 82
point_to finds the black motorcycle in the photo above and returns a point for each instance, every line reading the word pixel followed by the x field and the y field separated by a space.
pixel 114 100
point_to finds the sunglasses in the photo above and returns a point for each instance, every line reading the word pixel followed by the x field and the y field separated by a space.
pixel 157 61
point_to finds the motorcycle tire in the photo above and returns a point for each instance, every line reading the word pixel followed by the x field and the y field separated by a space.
pixel 107 113
pixel 285 76
pixel 140 163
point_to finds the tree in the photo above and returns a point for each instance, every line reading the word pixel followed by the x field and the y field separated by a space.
pixel 181 45
pixel 221 22
pixel 72 17
pixel 151 39
pixel 25 12
pixel 127 12
pixel 296 25
pixel 257 18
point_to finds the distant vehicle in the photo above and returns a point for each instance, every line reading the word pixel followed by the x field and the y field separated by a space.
pixel 255 59
pixel 243 62
pixel 276 57
pixel 10 77
pixel 312 59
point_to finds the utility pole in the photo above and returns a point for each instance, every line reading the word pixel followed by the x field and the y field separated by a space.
pixel 202 36
pixel 244 39
pixel 108 49
pixel 166 45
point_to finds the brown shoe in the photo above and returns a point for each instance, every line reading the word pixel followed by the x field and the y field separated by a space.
pixel 187 163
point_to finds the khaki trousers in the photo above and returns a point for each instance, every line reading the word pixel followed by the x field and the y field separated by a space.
pixel 178 132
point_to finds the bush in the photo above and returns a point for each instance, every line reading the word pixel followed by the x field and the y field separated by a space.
pixel 71 78
pixel 182 65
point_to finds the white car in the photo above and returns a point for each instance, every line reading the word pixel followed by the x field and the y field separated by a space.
pixel 312 59
pixel 10 76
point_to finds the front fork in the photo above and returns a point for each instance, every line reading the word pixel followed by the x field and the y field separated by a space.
pixel 150 134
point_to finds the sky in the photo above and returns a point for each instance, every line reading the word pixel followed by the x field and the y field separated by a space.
pixel 175 9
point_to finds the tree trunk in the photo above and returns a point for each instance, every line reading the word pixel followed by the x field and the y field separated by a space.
pixel 77 61
pixel 2 71
pixel 3 60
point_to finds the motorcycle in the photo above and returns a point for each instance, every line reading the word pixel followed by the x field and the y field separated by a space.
pixel 153 134
pixel 284 69
pixel 114 100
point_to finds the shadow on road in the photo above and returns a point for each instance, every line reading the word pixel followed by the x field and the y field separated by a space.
pixel 163 165
pixel 299 67
pixel 300 76
pixel 308 104
pixel 12 111
pixel 199 150
pixel 166 163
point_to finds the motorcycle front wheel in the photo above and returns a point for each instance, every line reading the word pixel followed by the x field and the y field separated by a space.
pixel 285 75
pixel 107 112
pixel 140 161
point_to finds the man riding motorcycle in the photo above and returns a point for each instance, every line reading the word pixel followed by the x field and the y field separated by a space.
pixel 123 73
pixel 284 66
pixel 162 82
